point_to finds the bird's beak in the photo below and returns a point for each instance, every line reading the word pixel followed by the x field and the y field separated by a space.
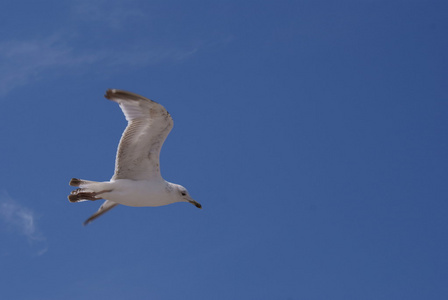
pixel 194 203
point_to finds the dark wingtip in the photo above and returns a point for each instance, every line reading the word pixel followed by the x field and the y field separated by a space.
pixel 73 198
pixel 109 93
pixel 75 182
pixel 112 94
pixel 86 222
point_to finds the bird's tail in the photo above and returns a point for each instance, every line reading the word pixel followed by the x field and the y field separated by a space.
pixel 88 190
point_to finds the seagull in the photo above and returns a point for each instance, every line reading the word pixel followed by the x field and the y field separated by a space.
pixel 137 180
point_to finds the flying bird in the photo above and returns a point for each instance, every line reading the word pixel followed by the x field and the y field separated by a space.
pixel 137 180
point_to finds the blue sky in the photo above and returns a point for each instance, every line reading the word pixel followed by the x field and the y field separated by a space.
pixel 314 134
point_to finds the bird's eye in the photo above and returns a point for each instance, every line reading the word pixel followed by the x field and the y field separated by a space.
pixel 183 193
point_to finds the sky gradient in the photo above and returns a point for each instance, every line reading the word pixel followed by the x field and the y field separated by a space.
pixel 313 133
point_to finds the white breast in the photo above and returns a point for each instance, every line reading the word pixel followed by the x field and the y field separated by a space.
pixel 139 193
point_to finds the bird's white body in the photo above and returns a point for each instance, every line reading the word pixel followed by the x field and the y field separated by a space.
pixel 135 192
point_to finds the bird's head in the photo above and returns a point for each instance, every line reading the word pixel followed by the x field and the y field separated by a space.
pixel 182 193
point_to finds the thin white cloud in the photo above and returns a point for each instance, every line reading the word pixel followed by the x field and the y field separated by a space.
pixel 66 51
pixel 27 60
pixel 109 13
pixel 18 219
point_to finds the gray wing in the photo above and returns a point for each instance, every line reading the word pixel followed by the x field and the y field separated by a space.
pixel 107 205
pixel 148 126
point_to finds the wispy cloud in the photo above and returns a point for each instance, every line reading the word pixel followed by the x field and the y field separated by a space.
pixel 97 35
pixel 26 60
pixel 18 219
pixel 109 13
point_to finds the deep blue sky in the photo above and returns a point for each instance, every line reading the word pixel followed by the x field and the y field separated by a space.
pixel 314 134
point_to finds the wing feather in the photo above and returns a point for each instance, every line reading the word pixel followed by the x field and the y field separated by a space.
pixel 148 126
pixel 105 207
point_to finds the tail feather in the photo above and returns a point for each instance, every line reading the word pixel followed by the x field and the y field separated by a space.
pixel 91 191
pixel 80 195
pixel 88 190
pixel 80 182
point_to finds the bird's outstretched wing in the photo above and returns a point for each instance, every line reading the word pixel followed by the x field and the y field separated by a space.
pixel 148 126
pixel 107 205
